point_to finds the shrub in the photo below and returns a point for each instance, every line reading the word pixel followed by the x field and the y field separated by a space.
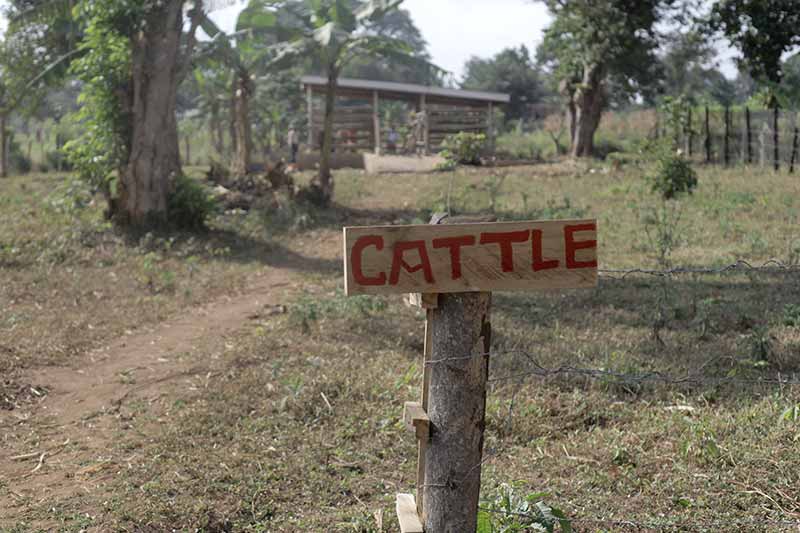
pixel 58 160
pixel 18 162
pixel 672 175
pixel 190 204
pixel 464 148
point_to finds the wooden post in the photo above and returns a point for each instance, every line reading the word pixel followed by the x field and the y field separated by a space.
pixel 726 143
pixel 794 151
pixel 708 137
pixel 490 128
pixel 376 121
pixel 460 338
pixel 776 139
pixel 749 136
pixel 310 106
pixel 423 106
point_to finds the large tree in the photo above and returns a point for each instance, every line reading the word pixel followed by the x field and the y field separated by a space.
pixel 135 55
pixel 591 45
pixel 763 31
pixel 511 71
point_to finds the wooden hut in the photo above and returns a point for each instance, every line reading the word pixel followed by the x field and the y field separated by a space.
pixel 357 119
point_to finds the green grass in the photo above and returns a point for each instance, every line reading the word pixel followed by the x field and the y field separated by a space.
pixel 298 428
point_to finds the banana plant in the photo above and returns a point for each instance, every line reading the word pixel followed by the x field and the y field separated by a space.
pixel 257 48
pixel 333 33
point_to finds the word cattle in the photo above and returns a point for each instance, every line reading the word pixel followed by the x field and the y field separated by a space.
pixel 471 257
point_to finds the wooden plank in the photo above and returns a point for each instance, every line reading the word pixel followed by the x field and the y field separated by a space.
pixel 423 300
pixel 470 257
pixel 407 514
pixel 416 420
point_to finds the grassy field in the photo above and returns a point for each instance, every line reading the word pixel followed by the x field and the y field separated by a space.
pixel 294 424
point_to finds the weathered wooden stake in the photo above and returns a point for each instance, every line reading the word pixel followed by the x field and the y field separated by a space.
pixel 726 143
pixel 776 138
pixel 794 151
pixel 749 136
pixel 376 121
pixel 708 137
pixel 460 338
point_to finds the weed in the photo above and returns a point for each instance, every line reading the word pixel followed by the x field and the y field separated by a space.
pixel 508 510
pixel 791 315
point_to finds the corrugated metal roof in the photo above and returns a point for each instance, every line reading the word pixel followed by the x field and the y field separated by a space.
pixel 409 88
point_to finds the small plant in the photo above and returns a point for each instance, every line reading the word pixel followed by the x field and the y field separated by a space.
pixel 190 205
pixel 509 511
pixel 791 315
pixel 464 148
pixel 672 175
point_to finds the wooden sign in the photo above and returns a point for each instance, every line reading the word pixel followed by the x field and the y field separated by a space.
pixel 505 256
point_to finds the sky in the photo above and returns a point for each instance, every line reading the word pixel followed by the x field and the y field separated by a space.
pixel 459 29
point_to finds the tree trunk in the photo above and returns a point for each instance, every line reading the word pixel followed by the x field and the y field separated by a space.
pixel 215 124
pixel 3 146
pixel 242 129
pixel 147 179
pixel 324 179
pixel 589 103
pixel 457 409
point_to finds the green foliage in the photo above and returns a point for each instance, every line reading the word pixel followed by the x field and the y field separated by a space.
pixel 791 315
pixel 511 71
pixel 104 69
pixel 190 204
pixel 762 30
pixel 464 148
pixel 309 309
pixel 509 511
pixel 18 162
pixel 618 35
pixel 672 175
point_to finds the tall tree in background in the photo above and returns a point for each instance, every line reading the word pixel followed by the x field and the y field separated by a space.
pixel 511 71
pixel 690 69
pixel 135 55
pixel 396 24
pixel 763 31
pixel 591 43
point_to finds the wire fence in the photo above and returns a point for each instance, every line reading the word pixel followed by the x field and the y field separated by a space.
pixel 526 364
pixel 769 138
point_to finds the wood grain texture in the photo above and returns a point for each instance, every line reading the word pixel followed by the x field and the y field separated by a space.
pixel 505 256
pixel 407 514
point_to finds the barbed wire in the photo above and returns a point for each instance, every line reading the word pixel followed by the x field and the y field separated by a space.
pixel 696 377
pixel 772 267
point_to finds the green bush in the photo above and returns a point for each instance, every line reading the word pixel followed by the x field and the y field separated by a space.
pixel 58 160
pixel 672 175
pixel 190 204
pixel 18 162
pixel 464 148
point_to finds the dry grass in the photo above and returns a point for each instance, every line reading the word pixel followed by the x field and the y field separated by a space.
pixel 298 429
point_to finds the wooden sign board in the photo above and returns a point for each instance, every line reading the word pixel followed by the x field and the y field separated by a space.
pixel 501 256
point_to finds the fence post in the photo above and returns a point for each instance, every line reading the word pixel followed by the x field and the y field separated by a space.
pixel 749 136
pixel 794 151
pixel 460 337
pixel 708 137
pixel 776 139
pixel 727 134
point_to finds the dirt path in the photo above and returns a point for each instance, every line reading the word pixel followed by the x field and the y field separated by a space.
pixel 63 441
